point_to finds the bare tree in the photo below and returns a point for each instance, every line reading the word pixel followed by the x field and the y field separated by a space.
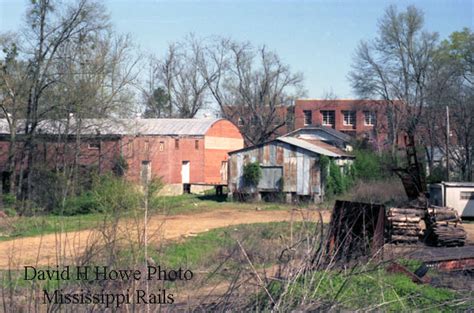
pixel 12 102
pixel 68 61
pixel 395 67
pixel 179 75
pixel 250 85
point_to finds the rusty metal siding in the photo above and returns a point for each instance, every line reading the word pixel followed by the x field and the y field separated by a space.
pixel 271 178
pixel 296 168
pixel 315 177
pixel 302 176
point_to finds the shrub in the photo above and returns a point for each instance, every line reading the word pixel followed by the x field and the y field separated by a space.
pixel 120 166
pixel 369 165
pixel 84 203
pixel 10 212
pixel 335 182
pixel 8 200
pixel 115 194
pixel 252 173
pixel 438 173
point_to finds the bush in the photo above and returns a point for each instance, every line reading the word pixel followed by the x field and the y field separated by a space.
pixel 336 182
pixel 369 165
pixel 8 200
pixel 437 175
pixel 115 194
pixel 108 194
pixel 84 203
pixel 10 212
pixel 252 174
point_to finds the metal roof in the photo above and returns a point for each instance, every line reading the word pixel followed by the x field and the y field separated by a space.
pixel 308 146
pixel 458 184
pixel 331 131
pixel 156 126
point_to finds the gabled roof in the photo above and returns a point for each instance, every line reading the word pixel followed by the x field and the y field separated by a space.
pixel 157 126
pixel 314 146
pixel 308 146
pixel 331 131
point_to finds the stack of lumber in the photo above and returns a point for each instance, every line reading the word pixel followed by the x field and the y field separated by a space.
pixel 405 224
pixel 444 227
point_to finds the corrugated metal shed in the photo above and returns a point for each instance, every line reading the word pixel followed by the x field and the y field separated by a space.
pixel 192 127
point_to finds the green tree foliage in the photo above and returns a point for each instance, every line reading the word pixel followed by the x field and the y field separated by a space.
pixel 252 173
pixel 337 180
pixel 157 105
pixel 368 165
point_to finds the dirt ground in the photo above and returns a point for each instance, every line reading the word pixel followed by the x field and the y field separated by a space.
pixel 44 250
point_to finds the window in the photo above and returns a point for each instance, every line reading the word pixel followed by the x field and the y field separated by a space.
pixel 94 145
pixel 176 143
pixel 308 117
pixel 130 147
pixel 162 145
pixel 467 195
pixel 349 118
pixel 328 118
pixel 196 144
pixel 369 118
pixel 147 146
pixel 240 122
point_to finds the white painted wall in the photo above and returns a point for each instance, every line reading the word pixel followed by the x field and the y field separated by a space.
pixel 465 208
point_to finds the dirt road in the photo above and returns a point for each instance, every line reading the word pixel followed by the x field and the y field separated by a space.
pixel 44 250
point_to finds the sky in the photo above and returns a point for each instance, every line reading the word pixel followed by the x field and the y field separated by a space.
pixel 317 38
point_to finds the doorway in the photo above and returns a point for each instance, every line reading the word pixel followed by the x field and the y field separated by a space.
pixel 185 167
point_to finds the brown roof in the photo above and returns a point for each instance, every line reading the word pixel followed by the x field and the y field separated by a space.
pixel 327 146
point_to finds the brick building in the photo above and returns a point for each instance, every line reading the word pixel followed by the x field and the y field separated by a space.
pixel 357 118
pixel 283 117
pixel 183 152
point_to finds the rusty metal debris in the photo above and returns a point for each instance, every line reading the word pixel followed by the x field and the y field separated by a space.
pixel 356 229
pixel 400 269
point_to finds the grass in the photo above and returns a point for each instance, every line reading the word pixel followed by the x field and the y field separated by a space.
pixel 40 225
pixel 261 241
pixel 373 290
pixel 17 227
pixel 362 289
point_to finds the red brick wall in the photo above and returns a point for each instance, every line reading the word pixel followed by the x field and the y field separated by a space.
pixel 214 157
pixel 52 154
pixel 167 163
pixel 205 164
pixel 338 106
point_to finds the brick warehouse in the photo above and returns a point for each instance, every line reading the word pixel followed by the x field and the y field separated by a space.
pixel 358 118
pixel 183 152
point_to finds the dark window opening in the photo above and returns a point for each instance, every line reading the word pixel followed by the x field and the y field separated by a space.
pixel 196 144
pixel 176 143
pixel 308 117
pixel 94 145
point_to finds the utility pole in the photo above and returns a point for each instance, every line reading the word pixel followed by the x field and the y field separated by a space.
pixel 447 143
